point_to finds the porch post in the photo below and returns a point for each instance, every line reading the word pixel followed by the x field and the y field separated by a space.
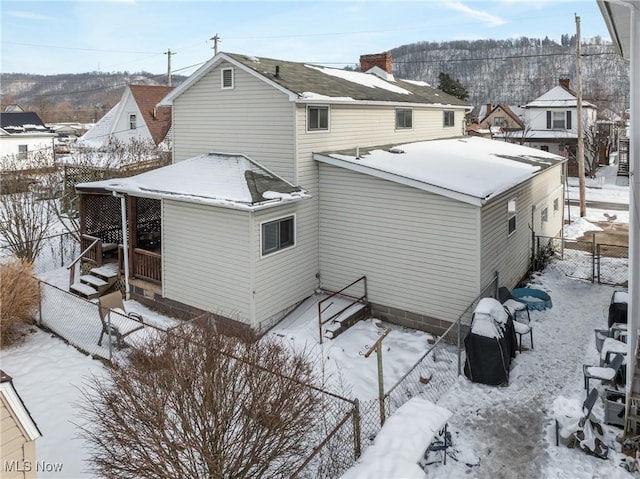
pixel 132 218
pixel 125 243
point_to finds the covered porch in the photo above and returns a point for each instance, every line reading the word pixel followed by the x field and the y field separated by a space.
pixel 122 230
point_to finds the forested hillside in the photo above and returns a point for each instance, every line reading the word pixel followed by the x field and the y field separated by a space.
pixel 82 97
pixel 513 71
pixel 517 71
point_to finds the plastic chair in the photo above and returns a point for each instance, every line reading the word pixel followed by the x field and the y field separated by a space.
pixel 513 307
pixel 605 374
pixel 120 324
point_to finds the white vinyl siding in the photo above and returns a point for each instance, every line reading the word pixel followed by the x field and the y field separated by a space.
pixel 253 118
pixel 285 278
pixel 206 258
pixel 510 255
pixel 418 250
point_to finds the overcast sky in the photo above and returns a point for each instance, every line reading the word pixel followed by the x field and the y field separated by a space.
pixel 49 37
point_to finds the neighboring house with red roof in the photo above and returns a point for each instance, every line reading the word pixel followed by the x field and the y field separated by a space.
pixel 501 117
pixel 136 115
pixel 18 434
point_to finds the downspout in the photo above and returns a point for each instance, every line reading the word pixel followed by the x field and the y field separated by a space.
pixel 125 243
pixel 634 195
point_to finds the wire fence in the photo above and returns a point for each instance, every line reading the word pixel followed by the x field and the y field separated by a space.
pixel 335 443
pixel 588 260
pixel 55 251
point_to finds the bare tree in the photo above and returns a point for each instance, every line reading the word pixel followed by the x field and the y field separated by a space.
pixel 25 220
pixel 199 404
pixel 596 141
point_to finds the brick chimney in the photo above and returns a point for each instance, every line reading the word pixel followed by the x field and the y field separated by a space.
pixel 564 82
pixel 381 60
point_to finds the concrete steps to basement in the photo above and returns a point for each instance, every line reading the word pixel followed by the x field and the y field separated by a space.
pixel 97 282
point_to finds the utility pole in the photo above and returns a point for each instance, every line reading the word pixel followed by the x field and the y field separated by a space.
pixel 580 124
pixel 169 53
pixel 215 39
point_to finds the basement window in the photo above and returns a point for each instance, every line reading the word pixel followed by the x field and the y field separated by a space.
pixel 511 216
pixel 227 78
pixel 404 118
pixel 277 235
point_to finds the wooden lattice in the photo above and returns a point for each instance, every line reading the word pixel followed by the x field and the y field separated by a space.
pixel 102 217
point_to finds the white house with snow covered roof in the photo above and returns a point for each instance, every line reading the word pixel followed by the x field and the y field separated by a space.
pixel 427 246
pixel 135 116
pixel 551 120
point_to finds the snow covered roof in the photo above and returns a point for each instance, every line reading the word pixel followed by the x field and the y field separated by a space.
pixel 217 179
pixel 305 82
pixel 23 122
pixel 468 169
pixel 98 134
pixel 557 97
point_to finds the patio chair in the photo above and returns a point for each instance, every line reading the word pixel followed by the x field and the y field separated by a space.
pixel 605 374
pixel 513 307
pixel 121 324
pixel 587 406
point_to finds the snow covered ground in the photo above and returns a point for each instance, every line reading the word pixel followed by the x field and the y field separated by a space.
pixel 498 432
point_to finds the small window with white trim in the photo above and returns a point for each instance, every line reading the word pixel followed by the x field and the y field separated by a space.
pixel 556 204
pixel 544 216
pixel 511 216
pixel 132 121
pixel 404 118
pixel 317 118
pixel 226 78
pixel 23 152
pixel 278 235
pixel 449 118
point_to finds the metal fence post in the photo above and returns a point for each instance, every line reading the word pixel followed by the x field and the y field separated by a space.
pixel 356 428
pixel 593 257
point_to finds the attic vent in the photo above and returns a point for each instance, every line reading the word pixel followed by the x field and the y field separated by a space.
pixel 396 150
pixel 227 78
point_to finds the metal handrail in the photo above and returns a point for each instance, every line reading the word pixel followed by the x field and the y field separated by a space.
pixel 71 267
pixel 357 299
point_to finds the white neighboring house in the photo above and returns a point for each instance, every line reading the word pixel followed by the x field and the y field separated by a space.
pixel 22 134
pixel 427 241
pixel 134 116
pixel 551 120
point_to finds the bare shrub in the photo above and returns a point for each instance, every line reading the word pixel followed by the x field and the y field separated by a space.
pixel 200 404
pixel 19 298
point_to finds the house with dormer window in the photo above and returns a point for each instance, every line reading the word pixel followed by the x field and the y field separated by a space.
pixel 290 177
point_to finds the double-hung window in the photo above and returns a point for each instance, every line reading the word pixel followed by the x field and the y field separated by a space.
pixel 404 118
pixel 23 152
pixel 511 215
pixel 449 118
pixel 132 121
pixel 317 118
pixel 277 235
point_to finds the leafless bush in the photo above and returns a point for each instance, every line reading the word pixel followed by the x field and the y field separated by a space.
pixel 199 404
pixel 19 298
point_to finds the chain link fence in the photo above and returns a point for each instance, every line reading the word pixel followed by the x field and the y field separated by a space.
pixel 588 260
pixel 55 252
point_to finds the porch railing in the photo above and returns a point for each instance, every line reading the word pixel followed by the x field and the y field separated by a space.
pixel 91 247
pixel 147 265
